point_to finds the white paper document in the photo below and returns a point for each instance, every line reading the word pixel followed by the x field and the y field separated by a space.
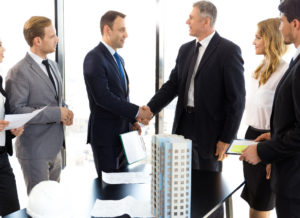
pixel 126 178
pixel 134 146
pixel 237 145
pixel 128 205
pixel 18 120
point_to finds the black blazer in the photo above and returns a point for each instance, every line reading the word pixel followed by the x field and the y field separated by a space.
pixel 111 112
pixel 219 95
pixel 284 147
pixel 9 135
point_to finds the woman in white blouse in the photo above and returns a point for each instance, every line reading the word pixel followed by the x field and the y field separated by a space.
pixel 9 201
pixel 268 42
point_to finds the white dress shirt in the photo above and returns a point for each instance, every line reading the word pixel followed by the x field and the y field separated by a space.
pixel 204 43
pixel 297 53
pixel 259 100
pixel 2 113
pixel 39 61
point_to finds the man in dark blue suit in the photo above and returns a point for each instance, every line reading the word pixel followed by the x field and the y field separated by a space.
pixel 209 82
pixel 107 85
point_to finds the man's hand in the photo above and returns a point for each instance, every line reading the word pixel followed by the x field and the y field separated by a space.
pixel 221 148
pixel 66 116
pixel 3 124
pixel 136 126
pixel 263 137
pixel 18 132
pixel 250 155
pixel 268 170
pixel 145 115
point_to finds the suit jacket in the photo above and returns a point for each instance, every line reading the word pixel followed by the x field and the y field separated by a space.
pixel 9 136
pixel 111 112
pixel 28 88
pixel 284 147
pixel 219 94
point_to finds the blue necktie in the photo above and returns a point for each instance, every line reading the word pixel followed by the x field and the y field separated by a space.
pixel 291 62
pixel 120 67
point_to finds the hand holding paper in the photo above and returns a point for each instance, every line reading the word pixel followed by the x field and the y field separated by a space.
pixel 3 124
pixel 18 120
pixel 18 132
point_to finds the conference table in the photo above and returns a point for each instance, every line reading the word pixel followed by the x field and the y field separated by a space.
pixel 209 191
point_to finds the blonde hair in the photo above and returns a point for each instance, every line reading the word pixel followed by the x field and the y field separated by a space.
pixel 35 27
pixel 274 48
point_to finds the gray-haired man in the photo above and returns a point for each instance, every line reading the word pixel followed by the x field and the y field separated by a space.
pixel 208 79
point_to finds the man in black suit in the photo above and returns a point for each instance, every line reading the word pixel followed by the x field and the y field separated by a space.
pixel 107 87
pixel 209 82
pixel 281 146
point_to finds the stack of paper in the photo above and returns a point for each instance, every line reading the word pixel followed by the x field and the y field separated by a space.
pixel 128 205
pixel 126 178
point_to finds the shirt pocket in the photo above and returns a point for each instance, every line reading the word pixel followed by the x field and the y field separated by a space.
pixel 265 98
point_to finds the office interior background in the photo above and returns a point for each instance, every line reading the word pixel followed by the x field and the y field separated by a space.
pixel 156 30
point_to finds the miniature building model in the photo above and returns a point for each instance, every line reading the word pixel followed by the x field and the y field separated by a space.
pixel 171 176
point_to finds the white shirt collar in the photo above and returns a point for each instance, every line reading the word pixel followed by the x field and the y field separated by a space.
pixel 110 49
pixel 35 57
pixel 297 53
pixel 204 43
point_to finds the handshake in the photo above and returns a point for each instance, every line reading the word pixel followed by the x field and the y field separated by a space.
pixel 145 115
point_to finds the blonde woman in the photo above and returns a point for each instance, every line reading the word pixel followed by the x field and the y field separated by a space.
pixel 268 42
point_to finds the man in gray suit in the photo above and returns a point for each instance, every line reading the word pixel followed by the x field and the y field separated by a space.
pixel 33 83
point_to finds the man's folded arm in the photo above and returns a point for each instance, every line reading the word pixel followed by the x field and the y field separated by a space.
pixel 17 90
pixel 235 94
pixel 97 83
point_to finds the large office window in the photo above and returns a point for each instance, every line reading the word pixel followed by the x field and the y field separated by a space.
pixel 82 34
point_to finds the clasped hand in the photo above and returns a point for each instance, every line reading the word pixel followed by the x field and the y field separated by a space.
pixel 66 116
pixel 145 115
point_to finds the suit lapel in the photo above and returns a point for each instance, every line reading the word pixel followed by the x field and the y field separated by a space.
pixel 58 81
pixel 40 72
pixel 113 62
pixel 188 63
pixel 279 85
pixel 209 50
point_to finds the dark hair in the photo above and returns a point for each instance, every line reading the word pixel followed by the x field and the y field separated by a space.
pixel 108 19
pixel 290 9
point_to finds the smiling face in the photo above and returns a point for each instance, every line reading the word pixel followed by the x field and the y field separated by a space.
pixel 259 44
pixel 196 25
pixel 117 34
pixel 2 50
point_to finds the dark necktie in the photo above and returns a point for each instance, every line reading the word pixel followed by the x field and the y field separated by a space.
pixel 190 74
pixel 120 67
pixel 46 63
pixel 291 62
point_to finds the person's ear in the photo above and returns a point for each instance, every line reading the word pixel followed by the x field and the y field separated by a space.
pixel 106 30
pixel 296 24
pixel 37 41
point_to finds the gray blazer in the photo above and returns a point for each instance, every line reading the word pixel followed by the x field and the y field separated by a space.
pixel 28 88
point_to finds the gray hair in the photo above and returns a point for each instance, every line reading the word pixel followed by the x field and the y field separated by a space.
pixel 207 9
